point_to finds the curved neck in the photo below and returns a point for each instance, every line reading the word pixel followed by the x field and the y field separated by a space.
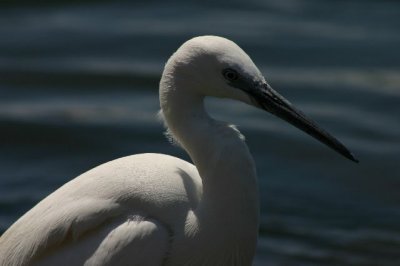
pixel 228 208
pixel 230 192
pixel 189 123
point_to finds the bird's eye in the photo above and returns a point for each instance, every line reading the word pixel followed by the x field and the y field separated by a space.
pixel 230 74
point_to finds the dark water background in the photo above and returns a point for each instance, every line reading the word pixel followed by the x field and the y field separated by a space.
pixel 78 87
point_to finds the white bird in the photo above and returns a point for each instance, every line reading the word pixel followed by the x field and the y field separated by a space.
pixel 154 209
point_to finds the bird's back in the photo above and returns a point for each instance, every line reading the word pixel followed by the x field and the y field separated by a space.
pixel 152 188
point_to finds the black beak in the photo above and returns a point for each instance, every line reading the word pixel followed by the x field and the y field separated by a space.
pixel 268 99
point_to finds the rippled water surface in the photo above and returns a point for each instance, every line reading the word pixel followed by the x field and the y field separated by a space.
pixel 78 87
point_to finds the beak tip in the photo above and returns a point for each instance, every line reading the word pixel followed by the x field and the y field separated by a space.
pixel 351 157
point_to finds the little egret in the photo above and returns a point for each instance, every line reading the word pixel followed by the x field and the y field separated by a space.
pixel 154 209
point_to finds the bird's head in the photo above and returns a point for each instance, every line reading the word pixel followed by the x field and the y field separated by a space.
pixel 215 66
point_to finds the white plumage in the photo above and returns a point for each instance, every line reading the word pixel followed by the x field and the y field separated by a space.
pixel 154 209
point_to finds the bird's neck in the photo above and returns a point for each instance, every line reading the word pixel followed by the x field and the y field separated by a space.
pixel 229 204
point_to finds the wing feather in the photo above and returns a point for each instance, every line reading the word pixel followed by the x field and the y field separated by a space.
pixel 49 227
